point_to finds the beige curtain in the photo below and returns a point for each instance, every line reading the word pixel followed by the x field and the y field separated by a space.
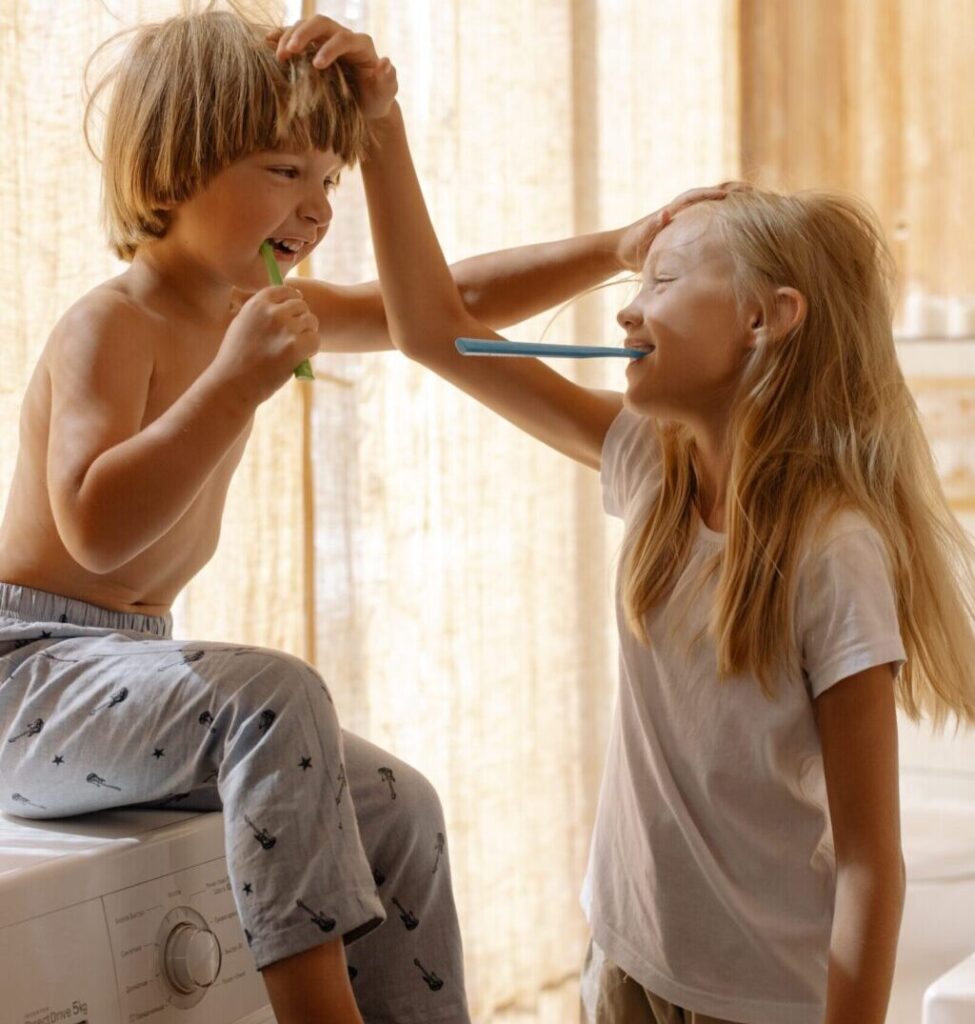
pixel 451 578
pixel 463 571
pixel 878 97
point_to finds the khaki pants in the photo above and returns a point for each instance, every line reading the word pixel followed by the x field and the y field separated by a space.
pixel 621 1000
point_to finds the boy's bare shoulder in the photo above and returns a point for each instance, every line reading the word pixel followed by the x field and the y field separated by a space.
pixel 106 309
pixel 103 323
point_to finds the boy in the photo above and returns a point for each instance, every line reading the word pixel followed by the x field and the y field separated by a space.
pixel 132 426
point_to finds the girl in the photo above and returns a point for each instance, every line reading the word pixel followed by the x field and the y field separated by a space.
pixel 790 569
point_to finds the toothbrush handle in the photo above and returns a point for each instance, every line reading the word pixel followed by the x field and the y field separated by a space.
pixel 481 347
pixel 303 370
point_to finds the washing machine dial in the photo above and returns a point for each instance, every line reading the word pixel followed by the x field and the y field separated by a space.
pixel 189 956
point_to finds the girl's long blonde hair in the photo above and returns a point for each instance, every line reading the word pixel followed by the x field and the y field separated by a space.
pixel 823 421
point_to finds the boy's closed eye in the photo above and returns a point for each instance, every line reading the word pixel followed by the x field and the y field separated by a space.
pixel 330 182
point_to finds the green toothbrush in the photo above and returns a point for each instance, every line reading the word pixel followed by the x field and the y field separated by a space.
pixel 303 371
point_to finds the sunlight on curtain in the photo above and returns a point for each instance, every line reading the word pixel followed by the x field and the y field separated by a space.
pixel 463 571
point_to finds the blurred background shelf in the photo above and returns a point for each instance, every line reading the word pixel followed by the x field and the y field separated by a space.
pixel 937 356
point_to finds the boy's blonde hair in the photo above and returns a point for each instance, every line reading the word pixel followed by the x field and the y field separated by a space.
pixel 196 92
pixel 823 421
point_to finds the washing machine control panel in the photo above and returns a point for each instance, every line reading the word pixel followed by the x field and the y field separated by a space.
pixel 166 951
pixel 189 956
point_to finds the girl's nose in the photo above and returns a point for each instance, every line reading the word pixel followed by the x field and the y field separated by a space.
pixel 628 317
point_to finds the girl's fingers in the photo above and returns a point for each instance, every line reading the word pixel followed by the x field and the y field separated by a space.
pixel 335 39
pixel 354 45
pixel 296 37
pixel 282 52
pixel 313 30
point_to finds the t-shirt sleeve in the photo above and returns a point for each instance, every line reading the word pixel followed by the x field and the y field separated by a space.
pixel 847 610
pixel 630 456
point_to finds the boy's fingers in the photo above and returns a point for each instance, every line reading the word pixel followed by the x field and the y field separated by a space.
pixel 696 195
pixel 282 293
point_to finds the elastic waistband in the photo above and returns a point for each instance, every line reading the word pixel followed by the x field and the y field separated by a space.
pixel 36 606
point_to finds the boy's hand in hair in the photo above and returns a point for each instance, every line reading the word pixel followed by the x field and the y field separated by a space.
pixel 273 332
pixel 375 76
pixel 634 241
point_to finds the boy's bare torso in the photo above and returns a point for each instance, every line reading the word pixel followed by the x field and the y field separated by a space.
pixel 31 551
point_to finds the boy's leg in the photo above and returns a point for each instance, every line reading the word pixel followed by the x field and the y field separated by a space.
pixel 110 719
pixel 412 968
pixel 312 987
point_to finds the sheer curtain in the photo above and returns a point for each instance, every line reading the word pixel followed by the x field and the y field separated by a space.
pixel 450 577
pixel 463 571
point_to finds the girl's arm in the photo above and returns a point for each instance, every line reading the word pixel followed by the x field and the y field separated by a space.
pixel 425 314
pixel 497 288
pixel 858 732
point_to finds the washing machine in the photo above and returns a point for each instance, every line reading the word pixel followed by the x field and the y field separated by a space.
pixel 122 917
pixel 938 925
pixel 951 999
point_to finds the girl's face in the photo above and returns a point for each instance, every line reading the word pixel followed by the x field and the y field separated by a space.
pixel 686 312
pixel 275 195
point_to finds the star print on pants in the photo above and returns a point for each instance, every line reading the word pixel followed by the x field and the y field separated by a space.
pixel 248 888
pixel 305 763
pixel 158 752
pixel 58 760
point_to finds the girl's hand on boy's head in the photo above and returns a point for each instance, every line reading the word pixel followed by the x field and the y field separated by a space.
pixel 375 76
pixel 634 241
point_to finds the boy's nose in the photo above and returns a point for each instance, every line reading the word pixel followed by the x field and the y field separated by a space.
pixel 318 210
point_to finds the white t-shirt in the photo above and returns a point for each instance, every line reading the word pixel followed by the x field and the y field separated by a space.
pixel 711 875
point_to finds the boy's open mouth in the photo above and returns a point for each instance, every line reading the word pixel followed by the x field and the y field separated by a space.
pixel 286 247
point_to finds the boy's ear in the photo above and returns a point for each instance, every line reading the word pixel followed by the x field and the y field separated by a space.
pixel 788 312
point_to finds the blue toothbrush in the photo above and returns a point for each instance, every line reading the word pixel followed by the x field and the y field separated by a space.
pixel 479 347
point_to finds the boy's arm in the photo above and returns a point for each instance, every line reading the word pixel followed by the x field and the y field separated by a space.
pixel 858 732
pixel 116 483
pixel 497 288
pixel 425 315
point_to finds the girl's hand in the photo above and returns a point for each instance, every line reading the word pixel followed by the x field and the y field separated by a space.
pixel 635 240
pixel 376 78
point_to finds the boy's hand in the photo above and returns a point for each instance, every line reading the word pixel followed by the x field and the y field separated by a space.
pixel 635 240
pixel 375 77
pixel 273 332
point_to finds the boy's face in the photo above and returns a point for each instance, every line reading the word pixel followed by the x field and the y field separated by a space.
pixel 280 196
pixel 686 310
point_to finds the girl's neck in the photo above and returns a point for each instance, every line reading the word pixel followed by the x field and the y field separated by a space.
pixel 713 469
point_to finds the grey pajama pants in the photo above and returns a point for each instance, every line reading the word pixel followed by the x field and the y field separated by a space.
pixel 326 834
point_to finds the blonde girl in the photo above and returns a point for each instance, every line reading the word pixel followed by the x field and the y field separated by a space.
pixel 790 572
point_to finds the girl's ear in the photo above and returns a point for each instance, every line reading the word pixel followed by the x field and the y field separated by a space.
pixel 788 312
